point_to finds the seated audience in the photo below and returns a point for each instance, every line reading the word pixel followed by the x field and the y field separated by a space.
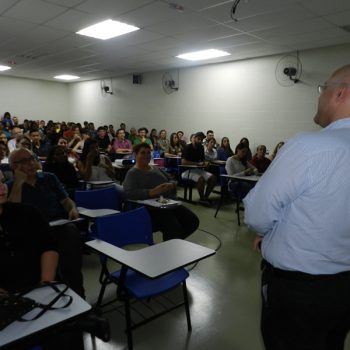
pixel 3 137
pixel 85 134
pixel 142 138
pixel 14 133
pixel 6 119
pixel 182 141
pixel 45 192
pixel 72 156
pixel 75 138
pixel 123 126
pixel 57 163
pixel 210 151
pixel 4 153
pixel 275 151
pixel 174 149
pixel 238 165
pixel 144 181
pixel 163 143
pixel 39 147
pixel 93 166
pixel 103 139
pixel 121 145
pixel 35 255
pixel 245 141
pixel 259 160
pixel 154 139
pixel 24 141
pixel 28 258
pixel 224 151
pixel 210 136
pixel 193 154
pixel 133 135
pixel 6 173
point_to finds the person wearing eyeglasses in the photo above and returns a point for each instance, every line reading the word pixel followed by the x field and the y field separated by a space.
pixel 44 191
pixel 300 209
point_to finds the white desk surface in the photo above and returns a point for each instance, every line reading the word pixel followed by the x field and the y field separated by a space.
pixel 99 183
pixel 156 203
pixel 94 213
pixel 252 178
pixel 19 330
pixel 158 259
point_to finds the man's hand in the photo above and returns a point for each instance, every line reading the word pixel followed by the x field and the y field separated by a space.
pixel 162 188
pixel 248 172
pixel 73 214
pixel 20 177
pixel 257 243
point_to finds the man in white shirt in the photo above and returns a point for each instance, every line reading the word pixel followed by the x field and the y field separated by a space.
pixel 300 208
pixel 14 133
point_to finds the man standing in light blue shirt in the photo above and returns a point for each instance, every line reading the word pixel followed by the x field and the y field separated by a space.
pixel 301 210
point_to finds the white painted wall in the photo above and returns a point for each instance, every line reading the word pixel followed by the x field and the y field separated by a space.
pixel 33 99
pixel 234 99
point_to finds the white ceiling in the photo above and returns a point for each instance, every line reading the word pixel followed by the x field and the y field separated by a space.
pixel 37 37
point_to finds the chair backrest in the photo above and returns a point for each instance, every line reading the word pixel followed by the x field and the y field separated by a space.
pixel 102 198
pixel 130 227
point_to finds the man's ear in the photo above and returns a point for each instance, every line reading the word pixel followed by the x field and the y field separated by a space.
pixel 343 92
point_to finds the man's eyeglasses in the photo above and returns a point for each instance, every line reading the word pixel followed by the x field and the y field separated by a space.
pixel 323 87
pixel 25 161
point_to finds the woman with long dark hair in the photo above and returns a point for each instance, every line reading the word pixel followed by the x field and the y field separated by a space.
pixel 238 165
pixel 224 151
pixel 92 166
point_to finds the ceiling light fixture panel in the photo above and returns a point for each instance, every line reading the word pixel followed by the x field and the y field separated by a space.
pixel 66 77
pixel 3 68
pixel 203 55
pixel 107 29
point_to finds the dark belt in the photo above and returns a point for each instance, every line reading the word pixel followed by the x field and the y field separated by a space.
pixel 302 276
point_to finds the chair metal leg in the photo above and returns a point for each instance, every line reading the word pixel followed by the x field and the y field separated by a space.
pixel 219 206
pixel 185 192
pixel 190 193
pixel 102 292
pixel 187 306
pixel 128 322
pixel 237 211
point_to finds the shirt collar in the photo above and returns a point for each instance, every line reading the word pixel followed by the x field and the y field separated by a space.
pixel 338 124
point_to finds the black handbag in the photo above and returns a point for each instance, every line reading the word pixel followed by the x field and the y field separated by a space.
pixel 14 306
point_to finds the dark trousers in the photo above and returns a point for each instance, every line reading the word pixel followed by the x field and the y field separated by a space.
pixel 178 222
pixel 304 312
pixel 69 244
pixel 240 188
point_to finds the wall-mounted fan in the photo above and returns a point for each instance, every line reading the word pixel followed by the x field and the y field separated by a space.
pixel 288 70
pixel 105 89
pixel 169 84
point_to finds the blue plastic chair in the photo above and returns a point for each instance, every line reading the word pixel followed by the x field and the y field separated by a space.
pixel 134 227
pixel 226 194
pixel 102 198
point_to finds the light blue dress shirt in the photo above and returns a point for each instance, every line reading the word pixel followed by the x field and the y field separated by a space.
pixel 301 205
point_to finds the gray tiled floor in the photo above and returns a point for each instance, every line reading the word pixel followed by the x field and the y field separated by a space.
pixel 224 295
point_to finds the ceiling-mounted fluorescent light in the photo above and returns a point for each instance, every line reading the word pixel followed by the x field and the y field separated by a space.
pixel 107 29
pixel 2 68
pixel 203 55
pixel 66 77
